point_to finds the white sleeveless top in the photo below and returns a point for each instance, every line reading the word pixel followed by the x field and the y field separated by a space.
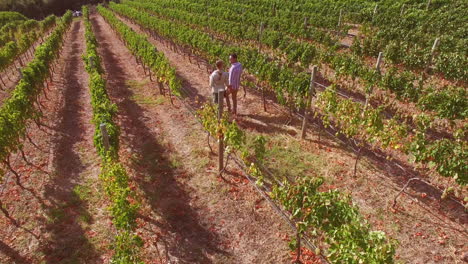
pixel 218 81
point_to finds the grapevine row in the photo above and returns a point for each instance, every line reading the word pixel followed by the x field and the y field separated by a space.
pixel 113 174
pixel 446 156
pixel 145 52
pixel 20 107
pixel 6 17
pixel 389 27
pixel 452 103
pixel 13 50
pixel 330 215
pixel 14 30
pixel 288 85
pixel 406 33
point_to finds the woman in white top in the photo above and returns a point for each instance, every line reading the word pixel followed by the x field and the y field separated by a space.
pixel 219 80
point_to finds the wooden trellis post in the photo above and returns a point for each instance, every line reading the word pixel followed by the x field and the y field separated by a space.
pixel 377 68
pixel 341 16
pixel 379 61
pixel 434 48
pixel 20 73
pixel 260 37
pixel 309 101
pixel 262 87
pixel 375 11
pixel 105 136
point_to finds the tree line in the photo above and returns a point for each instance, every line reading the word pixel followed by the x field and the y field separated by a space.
pixel 39 9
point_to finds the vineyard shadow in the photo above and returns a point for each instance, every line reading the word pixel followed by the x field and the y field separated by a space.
pixel 398 172
pixel 14 255
pixel 67 241
pixel 167 198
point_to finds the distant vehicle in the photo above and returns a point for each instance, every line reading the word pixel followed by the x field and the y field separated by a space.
pixel 77 13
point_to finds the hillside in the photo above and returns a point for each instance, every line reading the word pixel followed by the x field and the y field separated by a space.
pixel 235 132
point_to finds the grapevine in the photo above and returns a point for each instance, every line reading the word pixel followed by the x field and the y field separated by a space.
pixel 113 175
pixel 288 85
pixel 145 51
pixel 348 237
pixel 20 108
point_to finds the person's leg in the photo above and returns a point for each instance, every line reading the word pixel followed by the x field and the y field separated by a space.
pixel 234 101
pixel 228 102
pixel 215 98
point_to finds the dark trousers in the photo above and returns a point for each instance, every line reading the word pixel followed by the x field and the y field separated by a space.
pixel 215 98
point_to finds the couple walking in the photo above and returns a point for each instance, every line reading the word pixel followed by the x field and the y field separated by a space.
pixel 220 80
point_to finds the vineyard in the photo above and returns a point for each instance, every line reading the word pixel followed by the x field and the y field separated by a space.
pixel 350 144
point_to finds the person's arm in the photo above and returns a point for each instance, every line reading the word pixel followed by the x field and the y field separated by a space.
pixel 231 77
pixel 211 81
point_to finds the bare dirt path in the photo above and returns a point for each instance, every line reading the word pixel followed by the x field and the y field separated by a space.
pixel 429 231
pixel 187 212
pixel 78 210
pixel 59 217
